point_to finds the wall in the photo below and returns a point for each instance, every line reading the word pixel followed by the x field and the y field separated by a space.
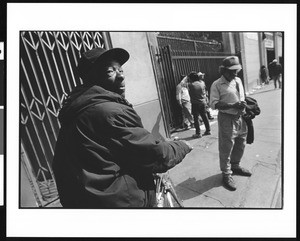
pixel 141 89
pixel 250 59
pixel 278 45
pixel 228 42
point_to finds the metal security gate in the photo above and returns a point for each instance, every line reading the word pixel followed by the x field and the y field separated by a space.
pixel 188 56
pixel 47 64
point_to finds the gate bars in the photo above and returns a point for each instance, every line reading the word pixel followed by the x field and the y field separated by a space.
pixel 47 63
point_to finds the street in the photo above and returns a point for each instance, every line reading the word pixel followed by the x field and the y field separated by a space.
pixel 198 180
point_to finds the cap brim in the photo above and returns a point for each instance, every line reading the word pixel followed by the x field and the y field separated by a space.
pixel 117 54
pixel 234 67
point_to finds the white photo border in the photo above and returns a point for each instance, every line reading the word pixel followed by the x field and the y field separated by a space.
pixel 147 17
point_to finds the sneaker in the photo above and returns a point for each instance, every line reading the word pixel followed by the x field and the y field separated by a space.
pixel 229 182
pixel 206 133
pixel 241 171
pixel 188 127
pixel 197 136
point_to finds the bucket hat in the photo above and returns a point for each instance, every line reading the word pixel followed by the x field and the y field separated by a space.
pixel 96 57
pixel 231 62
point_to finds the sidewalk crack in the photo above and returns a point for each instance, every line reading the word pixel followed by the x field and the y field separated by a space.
pixel 271 166
pixel 205 195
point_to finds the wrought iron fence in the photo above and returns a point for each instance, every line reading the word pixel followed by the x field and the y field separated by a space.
pixel 180 57
pixel 187 45
pixel 47 63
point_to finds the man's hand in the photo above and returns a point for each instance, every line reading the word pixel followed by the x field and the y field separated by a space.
pixel 239 105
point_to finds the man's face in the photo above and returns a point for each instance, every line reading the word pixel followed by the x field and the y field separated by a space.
pixel 201 77
pixel 112 78
pixel 231 74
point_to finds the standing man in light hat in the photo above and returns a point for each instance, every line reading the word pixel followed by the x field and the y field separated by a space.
pixel 227 95
pixel 104 158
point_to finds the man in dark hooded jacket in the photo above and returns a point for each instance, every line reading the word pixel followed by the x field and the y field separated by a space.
pixel 104 158
pixel 275 71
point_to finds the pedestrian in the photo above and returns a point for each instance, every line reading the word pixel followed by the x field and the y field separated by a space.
pixel 184 101
pixel 275 71
pixel 104 157
pixel 263 74
pixel 227 95
pixel 210 117
pixel 197 92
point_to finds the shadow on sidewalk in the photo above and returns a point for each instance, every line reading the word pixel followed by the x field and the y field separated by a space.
pixel 188 138
pixel 199 187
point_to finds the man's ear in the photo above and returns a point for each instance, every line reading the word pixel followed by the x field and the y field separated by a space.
pixel 96 74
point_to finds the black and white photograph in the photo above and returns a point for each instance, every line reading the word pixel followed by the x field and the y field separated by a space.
pixel 134 123
pixel 88 143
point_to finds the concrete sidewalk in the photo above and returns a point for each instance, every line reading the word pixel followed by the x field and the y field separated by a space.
pixel 198 180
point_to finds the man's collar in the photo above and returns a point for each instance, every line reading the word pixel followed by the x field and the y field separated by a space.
pixel 225 81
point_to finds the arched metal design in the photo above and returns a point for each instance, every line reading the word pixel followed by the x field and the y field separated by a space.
pixel 47 74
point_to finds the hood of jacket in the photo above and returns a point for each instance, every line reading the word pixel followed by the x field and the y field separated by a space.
pixel 85 96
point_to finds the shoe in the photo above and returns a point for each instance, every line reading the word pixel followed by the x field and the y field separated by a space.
pixel 206 133
pixel 188 127
pixel 229 182
pixel 241 171
pixel 197 136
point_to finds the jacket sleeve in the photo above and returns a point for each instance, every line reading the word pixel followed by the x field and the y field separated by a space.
pixel 133 145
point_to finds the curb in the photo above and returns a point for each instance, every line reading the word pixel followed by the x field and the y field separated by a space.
pixel 277 194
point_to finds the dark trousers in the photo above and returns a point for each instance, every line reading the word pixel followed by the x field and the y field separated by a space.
pixel 277 78
pixel 200 109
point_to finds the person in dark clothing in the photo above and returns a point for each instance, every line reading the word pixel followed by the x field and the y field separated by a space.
pixel 275 72
pixel 197 92
pixel 263 74
pixel 201 76
pixel 104 157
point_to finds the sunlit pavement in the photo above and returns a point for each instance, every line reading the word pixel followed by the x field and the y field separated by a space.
pixel 198 180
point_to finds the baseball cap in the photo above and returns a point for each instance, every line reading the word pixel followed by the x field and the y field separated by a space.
pixel 96 57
